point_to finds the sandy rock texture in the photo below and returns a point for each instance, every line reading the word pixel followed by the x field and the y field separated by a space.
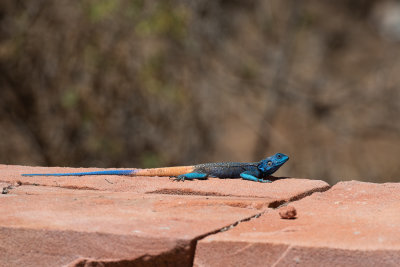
pixel 153 221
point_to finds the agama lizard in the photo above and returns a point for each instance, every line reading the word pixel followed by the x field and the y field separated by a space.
pixel 253 171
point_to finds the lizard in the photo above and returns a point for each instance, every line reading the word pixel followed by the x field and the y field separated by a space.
pixel 252 171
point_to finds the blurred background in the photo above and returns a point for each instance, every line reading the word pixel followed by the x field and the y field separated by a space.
pixel 144 83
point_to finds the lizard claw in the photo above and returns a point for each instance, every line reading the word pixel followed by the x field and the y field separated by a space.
pixel 179 178
pixel 264 181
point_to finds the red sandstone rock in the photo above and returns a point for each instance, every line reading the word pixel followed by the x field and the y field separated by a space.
pixel 52 221
pixel 352 224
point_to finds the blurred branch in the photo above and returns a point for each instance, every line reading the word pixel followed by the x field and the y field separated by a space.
pixel 277 89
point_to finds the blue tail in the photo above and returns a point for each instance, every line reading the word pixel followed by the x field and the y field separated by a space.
pixel 113 172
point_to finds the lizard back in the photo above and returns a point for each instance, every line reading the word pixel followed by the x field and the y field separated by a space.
pixel 225 169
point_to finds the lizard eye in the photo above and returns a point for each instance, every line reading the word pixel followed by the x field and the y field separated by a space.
pixel 279 156
pixel 269 163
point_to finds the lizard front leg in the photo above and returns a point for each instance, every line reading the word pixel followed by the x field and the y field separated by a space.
pixel 191 176
pixel 252 176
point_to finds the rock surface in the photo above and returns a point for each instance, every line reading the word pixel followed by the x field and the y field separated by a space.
pixel 119 220
pixel 152 221
pixel 352 224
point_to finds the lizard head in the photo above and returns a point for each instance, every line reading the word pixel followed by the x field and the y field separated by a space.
pixel 272 164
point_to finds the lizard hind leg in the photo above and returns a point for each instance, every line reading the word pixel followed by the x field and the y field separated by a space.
pixel 191 176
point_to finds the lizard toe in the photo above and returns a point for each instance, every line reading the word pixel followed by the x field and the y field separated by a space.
pixel 179 178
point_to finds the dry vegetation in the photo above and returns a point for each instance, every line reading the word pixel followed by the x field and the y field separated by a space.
pixel 134 83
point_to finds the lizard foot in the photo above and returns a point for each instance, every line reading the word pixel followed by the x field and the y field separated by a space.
pixel 178 178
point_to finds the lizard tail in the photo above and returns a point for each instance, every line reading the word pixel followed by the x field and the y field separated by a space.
pixel 111 172
pixel 168 171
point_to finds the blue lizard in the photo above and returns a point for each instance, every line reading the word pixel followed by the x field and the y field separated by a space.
pixel 253 171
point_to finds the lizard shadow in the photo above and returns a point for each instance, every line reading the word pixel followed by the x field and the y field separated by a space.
pixel 271 178
pixel 274 178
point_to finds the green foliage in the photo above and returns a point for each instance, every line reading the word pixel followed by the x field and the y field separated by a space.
pixel 156 82
pixel 248 70
pixel 166 19
pixel 134 8
pixel 101 9
pixel 69 99
pixel 150 160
